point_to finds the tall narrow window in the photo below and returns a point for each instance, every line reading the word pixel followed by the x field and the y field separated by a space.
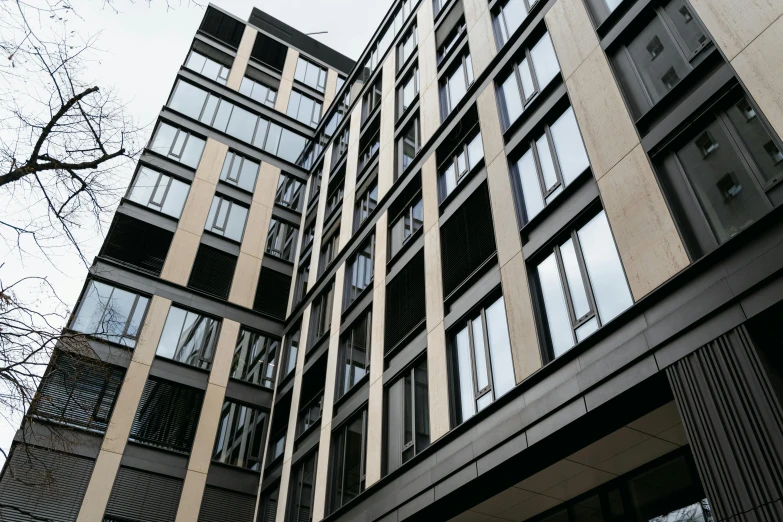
pixel 310 74
pixel 454 167
pixel 482 368
pixel 359 272
pixel 240 171
pixel 302 490
pixel 207 67
pixel 582 285
pixel 159 192
pixel 177 144
pixel 334 198
pixel 281 239
pixel 354 357
pixel 365 204
pixel 289 192
pixel 258 91
pixel 408 416
pixel 110 313
pixel 408 145
pixel 405 224
pixel 448 42
pixel 349 460
pixel 240 436
pixel 226 218
pixel 255 358
pixel 302 280
pixel 456 85
pixel 189 338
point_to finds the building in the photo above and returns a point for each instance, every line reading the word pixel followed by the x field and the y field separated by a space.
pixel 525 262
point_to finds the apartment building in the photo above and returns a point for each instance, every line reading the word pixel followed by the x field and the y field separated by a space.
pixel 522 261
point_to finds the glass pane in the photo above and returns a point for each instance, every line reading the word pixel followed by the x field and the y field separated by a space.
pixel 604 268
pixel 555 305
pixel 667 491
pixel 484 401
pixel 188 99
pixel 571 153
pixel 246 87
pixel 547 164
pixel 514 12
pixel 574 277
pixel 480 355
pixel 291 145
pixel 465 374
pixel 175 199
pixel 531 188
pixel 449 180
pixel 686 26
pixel 301 70
pixel 192 153
pixel 765 151
pixel 544 61
pixel 352 481
pixel 726 191
pixel 421 406
pixel 612 4
pixel 500 349
pixel 512 98
pixel 211 69
pixel 145 184
pixel 528 88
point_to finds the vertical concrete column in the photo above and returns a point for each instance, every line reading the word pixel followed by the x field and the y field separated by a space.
pixel 750 34
pixel 481 38
pixel 319 218
pixel 331 89
pixel 375 407
pixel 437 374
pixel 513 275
pixel 386 160
pixel 251 253
pixel 287 80
pixel 428 73
pixel 201 454
pixel 647 239
pixel 324 446
pixel 240 61
pixel 288 452
pixel 351 166
pixel 118 431
pixel 184 246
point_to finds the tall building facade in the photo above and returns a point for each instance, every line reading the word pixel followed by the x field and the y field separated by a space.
pixel 522 261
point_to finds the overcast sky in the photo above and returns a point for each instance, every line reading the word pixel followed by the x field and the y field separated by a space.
pixel 141 48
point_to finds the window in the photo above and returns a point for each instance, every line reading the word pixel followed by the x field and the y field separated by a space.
pixel 365 205
pixel 304 109
pixel 509 17
pixel 450 39
pixel 329 250
pixel 167 416
pixel 360 271
pixel 481 365
pixel 302 280
pixel 537 67
pixel 457 164
pixel 226 218
pixel 78 391
pixel 554 160
pixel 213 271
pixel 300 504
pixel 321 314
pixel 310 74
pixel 189 338
pixel 291 351
pixel 255 358
pixel 408 145
pixel 240 436
pixel 369 145
pixel 240 171
pixel 406 47
pixel 258 91
pixel 158 191
pixel 353 362
pixel 315 187
pixel 654 60
pixel 267 511
pixel 310 413
pixel 407 93
pixel 110 313
pixel 177 144
pixel 405 225
pixel 408 416
pixel 281 240
pixel 726 167
pixel 289 192
pixel 582 285
pixel 456 85
pixel 138 244
pixel 405 310
pixel 372 98
pixel 349 460
pixel 207 67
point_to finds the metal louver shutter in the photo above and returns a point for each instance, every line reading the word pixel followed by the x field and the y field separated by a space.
pixel 43 484
pixel 168 415
pixel 272 293
pixel 136 243
pixel 467 240
pixel 78 391
pixel 222 505
pixel 222 26
pixel 142 496
pixel 405 307
pixel 213 271
pixel 269 51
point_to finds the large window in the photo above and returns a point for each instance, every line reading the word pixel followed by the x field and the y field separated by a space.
pixel 189 338
pixel 408 416
pixel 408 91
pixel 359 271
pixel 349 458
pixel 110 313
pixel 310 74
pixel 177 144
pixel 304 109
pixel 289 192
pixel 240 436
pixel 509 17
pixel 456 85
pixel 406 47
pixel 207 67
pixel 722 175
pixel 408 145
pixel 226 218
pixel 405 224
pixel 371 99
pixel 353 361
pixel 482 368
pixel 258 92
pixel 582 285
pixel 456 165
pixel 553 161
pixel 159 192
pixel 654 60
pixel 255 358
pixel 530 75
pixel 321 314
pixel 281 240
pixel 167 416
pixel 302 490
pixel 240 171
pixel 365 204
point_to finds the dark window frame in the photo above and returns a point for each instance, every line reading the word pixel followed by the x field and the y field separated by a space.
pixel 309 414
pixel 465 64
pixel 254 450
pixel 321 315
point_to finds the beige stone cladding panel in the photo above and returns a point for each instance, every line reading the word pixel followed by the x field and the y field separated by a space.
pixel 425 20
pixel 572 34
pixel 240 61
pixel 329 91
pixel 385 170
pixel 438 383
pixel 287 80
pixel 196 209
pixel 525 349
pixel 154 321
pixel 99 488
pixel 322 472
pixel 192 494
pixel 607 130
pixel 224 353
pixel 760 67
pixel 735 24
pixel 643 229
pixel 481 39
